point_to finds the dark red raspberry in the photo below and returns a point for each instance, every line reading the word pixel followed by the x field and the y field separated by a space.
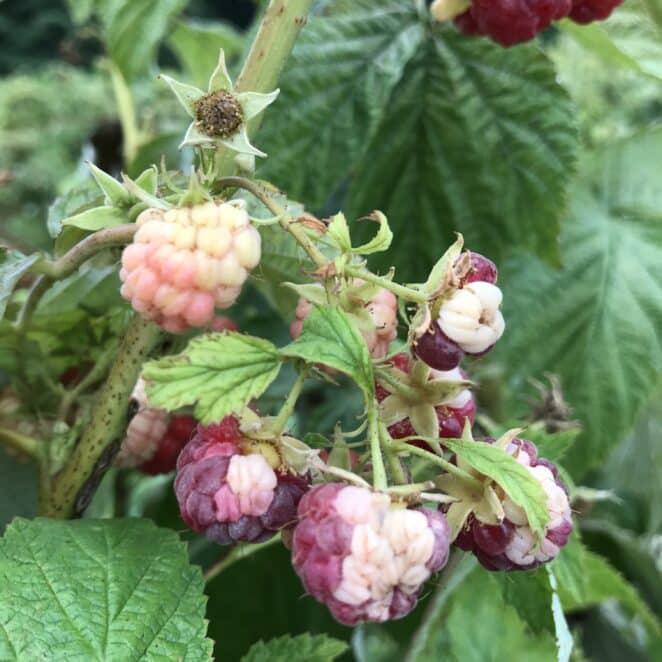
pixel 438 351
pixel 363 557
pixel 481 269
pixel 509 22
pixel 232 495
pixel 587 11
pixel 511 545
pixel 178 434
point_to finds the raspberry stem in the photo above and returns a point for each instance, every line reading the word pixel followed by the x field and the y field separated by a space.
pixel 401 291
pixel 21 443
pixel 287 409
pixel 237 553
pixel 379 479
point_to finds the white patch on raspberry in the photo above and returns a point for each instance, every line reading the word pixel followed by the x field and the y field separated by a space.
pixel 463 397
pixel 253 481
pixel 390 549
pixel 471 317
pixel 143 435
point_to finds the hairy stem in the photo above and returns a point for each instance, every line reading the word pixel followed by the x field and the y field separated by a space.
pixel 406 293
pixel 108 417
pixel 20 442
pixel 290 403
pixel 273 43
pixel 237 553
pixel 379 478
pixel 401 447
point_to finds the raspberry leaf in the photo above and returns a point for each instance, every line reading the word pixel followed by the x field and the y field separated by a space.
pixel 509 474
pixel 312 648
pixel 53 608
pixel 222 373
pixel 13 265
pixel 381 241
pixel 115 193
pixel 330 338
pixel 97 218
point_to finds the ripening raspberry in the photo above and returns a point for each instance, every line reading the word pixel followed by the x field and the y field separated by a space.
pixel 164 459
pixel 232 494
pixel 183 263
pixel 377 318
pixel 509 22
pixel 587 11
pixel 452 413
pixel 144 432
pixel 364 557
pixel 511 544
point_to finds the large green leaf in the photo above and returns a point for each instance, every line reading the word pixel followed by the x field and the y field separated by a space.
pixel 401 117
pixel 99 590
pixel 319 648
pixel 600 315
pixel 219 372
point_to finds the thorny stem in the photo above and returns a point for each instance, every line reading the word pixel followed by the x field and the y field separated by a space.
pixel 401 447
pixel 59 500
pixel 379 479
pixel 288 406
pixel 20 442
pixel 401 291
pixel 237 553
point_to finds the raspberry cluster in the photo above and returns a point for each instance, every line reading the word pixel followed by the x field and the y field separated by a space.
pixel 230 493
pixel 469 320
pixel 509 22
pixel 511 544
pixel 377 320
pixel 451 414
pixel 363 557
pixel 183 263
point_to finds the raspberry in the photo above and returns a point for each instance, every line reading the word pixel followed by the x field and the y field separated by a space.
pixel 438 351
pixel 167 451
pixel 451 414
pixel 471 317
pixel 480 269
pixel 230 493
pixel 509 22
pixel 220 323
pixel 511 544
pixel 363 557
pixel 144 432
pixel 379 326
pixel 587 11
pixel 185 262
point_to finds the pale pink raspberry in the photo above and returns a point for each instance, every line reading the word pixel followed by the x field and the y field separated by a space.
pixel 232 495
pixel 364 557
pixel 185 262
pixel 377 319
pixel 144 432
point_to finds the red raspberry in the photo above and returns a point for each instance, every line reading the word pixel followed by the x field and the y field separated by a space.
pixel 511 544
pixel 480 269
pixel 509 22
pixel 232 495
pixel 451 415
pixel 177 435
pixel 220 323
pixel 363 557
pixel 438 351
pixel 587 11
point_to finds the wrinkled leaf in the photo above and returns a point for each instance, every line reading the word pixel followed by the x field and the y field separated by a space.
pixel 318 648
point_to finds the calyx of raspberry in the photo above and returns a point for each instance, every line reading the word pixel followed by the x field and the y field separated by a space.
pixel 233 488
pixel 495 528
pixel 414 399
pixel 372 308
pixel 363 556
pixel 186 262
pixel 220 114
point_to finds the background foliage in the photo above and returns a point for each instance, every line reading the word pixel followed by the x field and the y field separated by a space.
pixel 546 156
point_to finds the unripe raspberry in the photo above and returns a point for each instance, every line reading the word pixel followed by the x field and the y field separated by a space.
pixel 144 432
pixel 509 22
pixel 220 323
pixel 164 459
pixel 587 11
pixel 511 544
pixel 230 493
pixel 363 557
pixel 452 414
pixel 379 328
pixel 471 317
pixel 184 263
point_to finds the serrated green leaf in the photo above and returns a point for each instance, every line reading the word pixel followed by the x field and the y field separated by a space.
pixel 552 445
pixel 518 483
pixel 196 45
pixel 564 643
pixel 99 590
pixel 97 218
pixel 13 265
pixel 312 648
pixel 219 372
pixel 329 337
pixel 601 314
pixel 73 201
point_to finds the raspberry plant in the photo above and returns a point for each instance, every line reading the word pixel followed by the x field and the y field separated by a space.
pixel 385 454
